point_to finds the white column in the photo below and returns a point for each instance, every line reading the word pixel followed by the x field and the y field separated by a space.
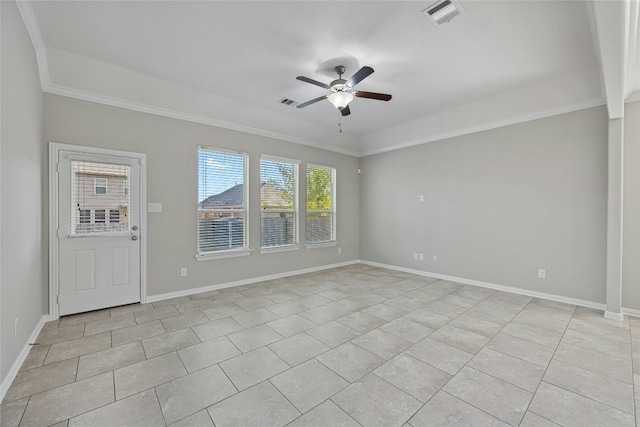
pixel 614 220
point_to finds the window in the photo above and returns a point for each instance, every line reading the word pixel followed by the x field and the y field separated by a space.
pixel 321 204
pixel 85 216
pixel 100 186
pixel 222 203
pixel 94 210
pixel 278 202
pixel 100 217
pixel 114 216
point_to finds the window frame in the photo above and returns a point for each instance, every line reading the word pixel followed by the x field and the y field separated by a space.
pixel 295 210
pixel 332 212
pixel 96 186
pixel 231 252
pixel 112 216
pixel 84 216
pixel 104 216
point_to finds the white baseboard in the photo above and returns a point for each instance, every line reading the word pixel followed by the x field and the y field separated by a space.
pixel 193 291
pixel 6 383
pixel 513 290
pixel 520 291
pixel 630 312
pixel 613 315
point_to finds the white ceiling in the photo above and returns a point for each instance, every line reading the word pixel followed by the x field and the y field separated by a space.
pixel 228 63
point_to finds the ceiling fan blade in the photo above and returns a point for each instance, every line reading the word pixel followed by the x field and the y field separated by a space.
pixel 359 76
pixel 313 101
pixel 313 82
pixel 346 111
pixel 372 95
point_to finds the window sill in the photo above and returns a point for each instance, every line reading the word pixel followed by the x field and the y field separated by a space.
pixel 277 249
pixel 223 254
pixel 321 245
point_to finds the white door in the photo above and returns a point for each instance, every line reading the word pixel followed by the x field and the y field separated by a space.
pixel 98 231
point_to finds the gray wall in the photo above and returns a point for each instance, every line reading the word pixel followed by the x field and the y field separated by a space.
pixel 631 208
pixel 498 205
pixel 23 251
pixel 171 147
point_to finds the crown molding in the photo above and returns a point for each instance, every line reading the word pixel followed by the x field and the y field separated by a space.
pixel 634 97
pixel 594 41
pixel 596 102
pixel 30 22
pixel 56 89
pixel 28 16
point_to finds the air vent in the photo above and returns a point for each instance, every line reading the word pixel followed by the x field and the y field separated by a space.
pixel 288 102
pixel 442 12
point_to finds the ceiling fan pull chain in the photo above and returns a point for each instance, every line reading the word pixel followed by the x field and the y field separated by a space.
pixel 340 124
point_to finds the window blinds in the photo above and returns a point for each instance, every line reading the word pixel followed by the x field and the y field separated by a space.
pixel 278 202
pixel 321 210
pixel 99 203
pixel 222 201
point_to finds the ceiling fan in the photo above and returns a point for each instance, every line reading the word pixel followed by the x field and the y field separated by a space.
pixel 341 91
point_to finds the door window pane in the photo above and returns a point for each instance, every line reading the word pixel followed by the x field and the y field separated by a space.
pixel 90 195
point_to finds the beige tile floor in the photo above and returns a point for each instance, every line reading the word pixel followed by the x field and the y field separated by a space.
pixel 351 346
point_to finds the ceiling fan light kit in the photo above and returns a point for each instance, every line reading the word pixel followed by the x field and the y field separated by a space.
pixel 341 91
pixel 340 99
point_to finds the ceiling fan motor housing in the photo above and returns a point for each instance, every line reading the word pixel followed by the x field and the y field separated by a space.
pixel 339 85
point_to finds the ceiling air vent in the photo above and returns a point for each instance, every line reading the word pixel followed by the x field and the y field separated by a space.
pixel 288 102
pixel 442 12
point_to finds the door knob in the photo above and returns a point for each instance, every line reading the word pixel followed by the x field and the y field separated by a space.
pixel 134 237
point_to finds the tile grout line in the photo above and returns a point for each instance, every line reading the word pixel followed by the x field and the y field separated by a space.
pixel 349 295
pixel 155 392
pixel 474 355
pixel 547 367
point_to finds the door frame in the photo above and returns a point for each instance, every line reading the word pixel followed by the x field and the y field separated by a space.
pixel 54 232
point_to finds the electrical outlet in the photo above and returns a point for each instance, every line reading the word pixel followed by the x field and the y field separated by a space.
pixel 415 255
pixel 542 274
pixel 339 251
pixel 15 327
pixel 435 258
pixel 421 257
pixel 421 198
pixel 183 271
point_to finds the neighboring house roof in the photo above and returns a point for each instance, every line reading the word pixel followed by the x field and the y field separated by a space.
pixel 269 195
pixel 230 197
